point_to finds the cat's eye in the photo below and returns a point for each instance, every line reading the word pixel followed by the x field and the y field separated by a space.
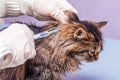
pixel 91 37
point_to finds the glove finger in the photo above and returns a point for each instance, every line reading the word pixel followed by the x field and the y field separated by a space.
pixel 62 6
pixel 59 16
pixel 6 60
pixel 30 51
pixel 5 55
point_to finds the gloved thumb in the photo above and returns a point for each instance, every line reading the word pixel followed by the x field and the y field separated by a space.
pixel 5 54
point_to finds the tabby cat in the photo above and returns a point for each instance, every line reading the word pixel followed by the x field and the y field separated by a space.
pixel 61 52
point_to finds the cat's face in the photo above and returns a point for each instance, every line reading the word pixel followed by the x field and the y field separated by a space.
pixel 82 41
pixel 88 42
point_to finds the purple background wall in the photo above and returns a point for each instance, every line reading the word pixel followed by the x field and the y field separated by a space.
pixel 107 67
pixel 99 10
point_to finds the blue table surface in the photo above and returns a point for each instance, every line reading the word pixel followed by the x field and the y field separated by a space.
pixel 106 68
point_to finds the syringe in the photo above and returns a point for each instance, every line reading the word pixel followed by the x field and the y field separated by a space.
pixel 44 34
pixel 36 36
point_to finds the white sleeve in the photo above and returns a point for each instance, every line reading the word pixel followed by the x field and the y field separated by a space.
pixel 2 9
pixel 15 8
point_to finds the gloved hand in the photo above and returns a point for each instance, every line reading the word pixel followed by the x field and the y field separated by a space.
pixel 40 9
pixel 47 9
pixel 16 45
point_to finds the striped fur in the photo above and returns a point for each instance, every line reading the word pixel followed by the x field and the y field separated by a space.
pixel 61 52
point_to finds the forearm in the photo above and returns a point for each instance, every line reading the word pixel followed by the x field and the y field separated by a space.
pixel 13 8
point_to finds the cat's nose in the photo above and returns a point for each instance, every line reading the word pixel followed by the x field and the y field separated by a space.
pixel 79 33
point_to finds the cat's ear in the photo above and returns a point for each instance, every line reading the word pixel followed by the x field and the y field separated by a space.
pixel 101 24
pixel 79 33
pixel 72 17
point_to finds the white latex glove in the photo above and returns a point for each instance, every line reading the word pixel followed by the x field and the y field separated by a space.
pixel 47 9
pixel 16 45
pixel 40 9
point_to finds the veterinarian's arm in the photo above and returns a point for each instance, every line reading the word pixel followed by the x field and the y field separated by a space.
pixel 40 9
pixel 16 45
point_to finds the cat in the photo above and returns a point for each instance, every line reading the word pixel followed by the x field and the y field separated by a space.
pixel 62 52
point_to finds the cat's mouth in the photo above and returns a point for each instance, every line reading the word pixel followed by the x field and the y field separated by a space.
pixel 83 55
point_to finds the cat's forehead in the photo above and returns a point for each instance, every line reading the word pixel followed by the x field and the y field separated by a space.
pixel 93 30
pixel 88 24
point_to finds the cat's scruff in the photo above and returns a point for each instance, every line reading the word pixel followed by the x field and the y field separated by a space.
pixel 61 52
